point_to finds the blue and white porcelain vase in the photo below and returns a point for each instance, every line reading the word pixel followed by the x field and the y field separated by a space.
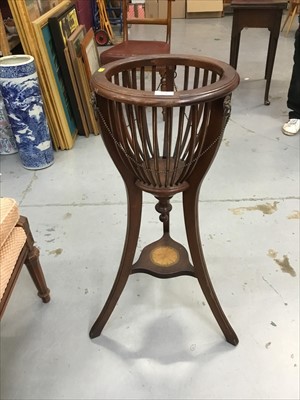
pixel 21 93
pixel 7 140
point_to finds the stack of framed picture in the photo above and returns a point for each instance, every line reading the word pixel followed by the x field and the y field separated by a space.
pixel 82 57
pixel 49 30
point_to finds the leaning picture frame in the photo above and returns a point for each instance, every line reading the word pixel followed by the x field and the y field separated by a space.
pixel 74 47
pixel 53 76
pixel 90 53
pixel 33 9
pixel 75 52
pixel 74 42
pixel 46 5
pixel 62 24
pixel 37 8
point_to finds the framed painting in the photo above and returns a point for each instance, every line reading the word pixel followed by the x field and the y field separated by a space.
pixel 74 41
pixel 78 95
pixel 62 24
pixel 36 8
pixel 33 9
pixel 88 97
pixel 90 53
pixel 74 46
pixel 46 5
pixel 53 76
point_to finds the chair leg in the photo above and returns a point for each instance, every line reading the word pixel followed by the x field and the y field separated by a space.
pixel 32 262
pixel 35 270
pixel 190 207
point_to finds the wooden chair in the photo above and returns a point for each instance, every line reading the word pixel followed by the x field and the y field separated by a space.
pixel 134 47
pixel 293 10
pixel 17 249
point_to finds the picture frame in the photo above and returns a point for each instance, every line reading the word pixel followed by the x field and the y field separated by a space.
pixel 74 48
pixel 46 5
pixel 74 42
pixel 37 8
pixel 62 24
pixel 33 9
pixel 78 95
pixel 52 75
pixel 88 97
pixel 90 53
pixel 75 51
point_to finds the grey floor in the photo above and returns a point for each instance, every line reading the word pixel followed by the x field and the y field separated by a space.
pixel 162 341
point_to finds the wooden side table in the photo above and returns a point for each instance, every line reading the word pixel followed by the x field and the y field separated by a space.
pixel 257 14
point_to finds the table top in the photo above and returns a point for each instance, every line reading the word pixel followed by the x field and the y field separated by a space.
pixel 259 4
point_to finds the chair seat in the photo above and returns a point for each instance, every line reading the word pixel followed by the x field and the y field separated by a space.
pixel 9 216
pixel 17 248
pixel 9 254
pixel 134 48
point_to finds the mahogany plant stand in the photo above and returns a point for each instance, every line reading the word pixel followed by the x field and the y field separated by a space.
pixel 164 154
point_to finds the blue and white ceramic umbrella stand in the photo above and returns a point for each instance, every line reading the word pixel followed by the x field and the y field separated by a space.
pixel 7 140
pixel 21 93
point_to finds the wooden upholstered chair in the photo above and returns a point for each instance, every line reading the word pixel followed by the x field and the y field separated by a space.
pixel 17 249
pixel 135 47
pixel 294 9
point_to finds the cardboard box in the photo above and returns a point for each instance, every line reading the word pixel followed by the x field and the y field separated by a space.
pixel 151 8
pixel 204 6
pixel 178 8
pixel 158 8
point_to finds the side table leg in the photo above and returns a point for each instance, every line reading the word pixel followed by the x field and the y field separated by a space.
pixel 274 35
pixel 35 270
pixel 269 67
pixel 234 44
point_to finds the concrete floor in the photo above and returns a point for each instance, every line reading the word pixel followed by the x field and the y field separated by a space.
pixel 162 341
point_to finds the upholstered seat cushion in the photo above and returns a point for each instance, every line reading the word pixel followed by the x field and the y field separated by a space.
pixel 9 254
pixel 9 216
pixel 134 48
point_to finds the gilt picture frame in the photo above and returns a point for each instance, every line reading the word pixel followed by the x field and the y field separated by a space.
pixel 90 53
pixel 75 50
pixel 62 25
pixel 53 76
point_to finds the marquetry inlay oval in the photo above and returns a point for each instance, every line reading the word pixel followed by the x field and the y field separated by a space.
pixel 164 256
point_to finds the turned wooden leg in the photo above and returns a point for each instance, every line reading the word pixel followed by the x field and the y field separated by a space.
pixel 32 262
pixel 190 207
pixel 134 213
pixel 274 34
pixel 35 270
pixel 234 44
